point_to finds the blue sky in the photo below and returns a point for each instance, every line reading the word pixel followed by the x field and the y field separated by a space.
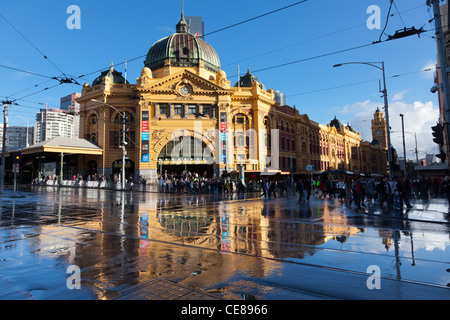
pixel 123 30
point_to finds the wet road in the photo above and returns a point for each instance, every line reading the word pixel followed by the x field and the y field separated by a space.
pixel 235 248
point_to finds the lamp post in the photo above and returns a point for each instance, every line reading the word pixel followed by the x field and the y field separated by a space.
pixel 386 107
pixel 415 140
pixel 403 135
pixel 124 143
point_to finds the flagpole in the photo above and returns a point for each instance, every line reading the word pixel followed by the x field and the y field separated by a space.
pixel 239 78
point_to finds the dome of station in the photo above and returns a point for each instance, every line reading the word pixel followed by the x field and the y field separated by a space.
pixel 182 49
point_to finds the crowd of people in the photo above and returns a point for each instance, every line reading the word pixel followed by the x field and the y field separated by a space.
pixel 391 194
pixel 358 191
pixel 194 183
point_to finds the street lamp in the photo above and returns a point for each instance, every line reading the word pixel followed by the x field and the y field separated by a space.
pixel 386 107
pixel 124 143
pixel 403 135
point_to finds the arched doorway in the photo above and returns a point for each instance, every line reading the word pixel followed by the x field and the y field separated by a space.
pixel 186 155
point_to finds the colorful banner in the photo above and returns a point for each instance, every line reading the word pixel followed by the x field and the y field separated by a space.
pixel 145 137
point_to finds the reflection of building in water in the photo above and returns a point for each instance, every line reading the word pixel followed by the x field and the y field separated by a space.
pixel 209 239
pixel 386 238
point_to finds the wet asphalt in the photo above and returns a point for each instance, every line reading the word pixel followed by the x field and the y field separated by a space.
pixel 228 246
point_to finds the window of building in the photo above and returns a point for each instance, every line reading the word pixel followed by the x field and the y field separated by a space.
pixel 192 109
pixel 206 110
pixel 240 140
pixel 177 109
pixel 163 108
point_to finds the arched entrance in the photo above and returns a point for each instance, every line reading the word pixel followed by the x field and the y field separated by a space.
pixel 186 154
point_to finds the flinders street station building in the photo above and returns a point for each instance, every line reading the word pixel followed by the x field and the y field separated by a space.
pixel 184 114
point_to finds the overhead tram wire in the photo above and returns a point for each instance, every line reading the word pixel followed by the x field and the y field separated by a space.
pixel 25 71
pixel 329 54
pixel 61 80
pixel 33 45
pixel 316 38
pixel 358 83
pixel 254 71
pixel 213 32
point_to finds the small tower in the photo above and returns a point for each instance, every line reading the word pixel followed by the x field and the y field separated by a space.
pixel 379 129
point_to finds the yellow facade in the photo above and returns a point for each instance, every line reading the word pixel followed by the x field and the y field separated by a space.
pixel 190 106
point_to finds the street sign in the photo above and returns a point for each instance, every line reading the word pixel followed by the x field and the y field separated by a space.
pixel 309 167
pixel 15 167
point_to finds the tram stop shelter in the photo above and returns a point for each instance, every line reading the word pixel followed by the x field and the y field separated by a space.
pixel 53 158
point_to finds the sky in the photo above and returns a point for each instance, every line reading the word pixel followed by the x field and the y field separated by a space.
pixel 292 50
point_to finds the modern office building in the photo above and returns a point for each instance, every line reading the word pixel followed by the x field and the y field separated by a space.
pixel 69 103
pixel 52 123
pixel 16 137
pixel 196 26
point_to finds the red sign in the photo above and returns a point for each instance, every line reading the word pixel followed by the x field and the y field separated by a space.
pixel 145 126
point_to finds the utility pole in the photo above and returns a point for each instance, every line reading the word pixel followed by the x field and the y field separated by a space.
pixel 6 104
pixel 442 65
pixel 404 148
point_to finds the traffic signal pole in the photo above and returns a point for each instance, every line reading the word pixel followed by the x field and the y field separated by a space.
pixel 5 125
pixel 442 65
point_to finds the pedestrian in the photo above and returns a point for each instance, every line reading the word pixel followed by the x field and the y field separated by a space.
pixel 384 191
pixel 370 188
pixel 446 188
pixel 299 190
pixel 348 191
pixel 402 188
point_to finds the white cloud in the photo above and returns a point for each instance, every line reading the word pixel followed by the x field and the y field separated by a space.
pixel 399 95
pixel 418 118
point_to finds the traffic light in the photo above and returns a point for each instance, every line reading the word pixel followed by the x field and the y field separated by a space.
pixel 438 134
pixel 442 156
pixel 15 157
pixel 18 157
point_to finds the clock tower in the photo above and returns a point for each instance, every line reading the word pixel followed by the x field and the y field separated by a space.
pixel 379 129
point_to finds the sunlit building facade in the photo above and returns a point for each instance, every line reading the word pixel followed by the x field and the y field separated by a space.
pixel 183 114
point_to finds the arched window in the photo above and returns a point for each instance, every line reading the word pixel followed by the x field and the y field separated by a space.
pixel 92 128
pixel 304 147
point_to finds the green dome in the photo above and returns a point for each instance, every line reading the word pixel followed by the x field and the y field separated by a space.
pixel 182 49
pixel 248 80
pixel 113 76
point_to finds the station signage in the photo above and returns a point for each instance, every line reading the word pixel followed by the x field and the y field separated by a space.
pixel 145 137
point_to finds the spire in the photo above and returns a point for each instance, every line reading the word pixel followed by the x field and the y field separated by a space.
pixel 182 26
pixel 182 9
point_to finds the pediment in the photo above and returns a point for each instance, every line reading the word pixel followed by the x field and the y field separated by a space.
pixel 186 83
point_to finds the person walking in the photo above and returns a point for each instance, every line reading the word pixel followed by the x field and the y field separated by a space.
pixel 402 188
pixel 446 188
pixel 299 189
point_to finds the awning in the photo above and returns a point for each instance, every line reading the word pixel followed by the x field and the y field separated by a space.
pixel 64 145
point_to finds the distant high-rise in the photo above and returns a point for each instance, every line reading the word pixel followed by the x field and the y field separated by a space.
pixel 52 123
pixel 196 26
pixel 68 103
pixel 280 97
